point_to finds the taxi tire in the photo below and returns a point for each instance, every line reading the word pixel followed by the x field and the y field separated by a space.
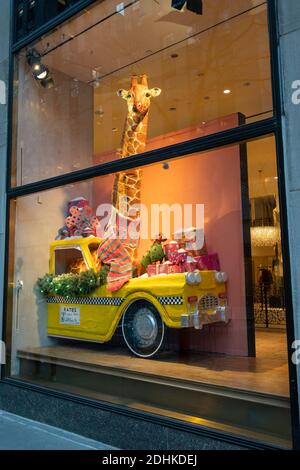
pixel 143 316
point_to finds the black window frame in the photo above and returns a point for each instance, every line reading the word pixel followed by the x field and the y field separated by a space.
pixel 43 13
pixel 238 135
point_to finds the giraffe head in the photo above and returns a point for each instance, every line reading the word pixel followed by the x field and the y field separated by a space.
pixel 139 96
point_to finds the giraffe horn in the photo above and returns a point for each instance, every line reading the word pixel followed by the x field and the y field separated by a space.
pixel 144 80
pixel 134 80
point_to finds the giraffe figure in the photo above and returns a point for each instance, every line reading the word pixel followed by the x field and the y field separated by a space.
pixel 127 184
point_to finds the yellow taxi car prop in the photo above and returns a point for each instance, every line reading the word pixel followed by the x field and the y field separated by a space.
pixel 144 307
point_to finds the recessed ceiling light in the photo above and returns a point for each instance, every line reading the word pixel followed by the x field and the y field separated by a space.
pixel 174 55
pixel 246 84
pixel 115 129
pixel 227 91
pixel 172 108
pixel 206 98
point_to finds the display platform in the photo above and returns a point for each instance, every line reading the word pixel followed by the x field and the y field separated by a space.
pixel 267 373
pixel 214 386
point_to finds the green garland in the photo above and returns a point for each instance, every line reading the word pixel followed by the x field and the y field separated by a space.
pixel 72 285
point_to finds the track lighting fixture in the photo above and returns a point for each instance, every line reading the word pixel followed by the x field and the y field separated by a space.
pixel 192 5
pixel 40 71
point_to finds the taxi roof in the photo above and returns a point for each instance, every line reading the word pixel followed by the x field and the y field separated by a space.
pixel 71 241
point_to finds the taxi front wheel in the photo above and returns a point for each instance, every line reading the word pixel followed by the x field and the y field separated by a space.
pixel 143 329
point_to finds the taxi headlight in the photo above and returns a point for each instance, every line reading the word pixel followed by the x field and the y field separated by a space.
pixel 221 276
pixel 193 278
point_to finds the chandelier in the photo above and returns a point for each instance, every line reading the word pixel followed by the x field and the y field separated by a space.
pixel 264 236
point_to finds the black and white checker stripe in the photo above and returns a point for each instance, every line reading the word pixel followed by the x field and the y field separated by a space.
pixel 170 300
pixel 116 301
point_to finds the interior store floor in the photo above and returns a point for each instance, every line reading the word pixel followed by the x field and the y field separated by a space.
pixel 266 373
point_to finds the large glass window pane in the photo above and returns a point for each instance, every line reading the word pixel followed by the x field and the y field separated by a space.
pixel 191 70
pixel 187 319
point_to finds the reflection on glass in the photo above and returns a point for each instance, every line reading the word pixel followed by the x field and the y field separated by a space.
pixel 207 66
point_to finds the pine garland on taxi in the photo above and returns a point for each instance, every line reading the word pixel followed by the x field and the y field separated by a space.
pixel 70 285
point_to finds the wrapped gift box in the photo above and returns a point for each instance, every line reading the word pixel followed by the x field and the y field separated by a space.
pixel 153 269
pixel 190 265
pixel 209 262
pixel 171 248
pixel 171 269
pixel 165 268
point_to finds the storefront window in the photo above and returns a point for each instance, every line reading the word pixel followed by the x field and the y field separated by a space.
pixel 161 287
pixel 174 75
pixel 174 305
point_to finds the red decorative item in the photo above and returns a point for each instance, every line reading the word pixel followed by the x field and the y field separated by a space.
pixel 179 258
pixel 171 248
pixel 165 268
pixel 153 269
pixel 190 266
pixel 209 262
pixel 175 269
pixel 79 221
pixel 194 251
pixel 79 202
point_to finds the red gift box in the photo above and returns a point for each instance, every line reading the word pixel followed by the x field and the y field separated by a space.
pixel 193 249
pixel 169 268
pixel 190 266
pixel 179 257
pixel 175 269
pixel 209 262
pixel 171 248
pixel 153 269
pixel 165 268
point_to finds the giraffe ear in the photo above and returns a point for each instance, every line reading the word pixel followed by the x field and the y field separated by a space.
pixel 155 92
pixel 122 93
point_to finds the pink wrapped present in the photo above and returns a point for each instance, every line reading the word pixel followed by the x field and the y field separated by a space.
pixel 190 265
pixel 153 269
pixel 179 257
pixel 79 202
pixel 165 268
pixel 175 269
pixel 171 248
pixel 209 262
pixel 193 249
pixel 169 268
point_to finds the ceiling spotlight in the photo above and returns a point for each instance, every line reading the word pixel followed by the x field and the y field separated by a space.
pixel 39 70
pixel 195 6
pixel 41 73
pixel 227 91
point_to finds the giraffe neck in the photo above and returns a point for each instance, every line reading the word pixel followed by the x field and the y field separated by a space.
pixel 127 184
pixel 135 135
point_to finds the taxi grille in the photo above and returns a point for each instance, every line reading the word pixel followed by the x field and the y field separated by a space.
pixel 208 302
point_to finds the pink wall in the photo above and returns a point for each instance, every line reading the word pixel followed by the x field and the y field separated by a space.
pixel 212 179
